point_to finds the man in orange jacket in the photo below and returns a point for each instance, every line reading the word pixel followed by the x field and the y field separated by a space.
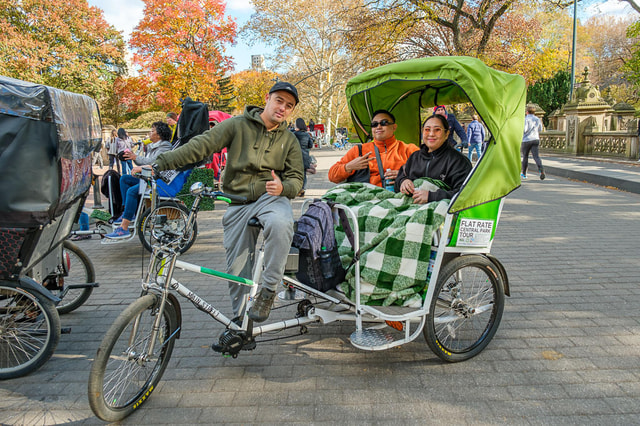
pixel 393 153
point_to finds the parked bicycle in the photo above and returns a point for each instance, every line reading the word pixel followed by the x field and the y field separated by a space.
pixel 464 294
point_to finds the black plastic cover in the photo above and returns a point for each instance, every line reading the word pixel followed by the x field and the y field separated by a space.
pixel 47 136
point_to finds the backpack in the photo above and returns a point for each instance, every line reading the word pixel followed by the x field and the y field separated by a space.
pixel 193 121
pixel 110 188
pixel 319 264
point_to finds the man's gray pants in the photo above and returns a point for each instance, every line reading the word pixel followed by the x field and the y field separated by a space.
pixel 276 217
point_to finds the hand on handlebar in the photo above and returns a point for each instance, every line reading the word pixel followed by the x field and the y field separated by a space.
pixel 137 170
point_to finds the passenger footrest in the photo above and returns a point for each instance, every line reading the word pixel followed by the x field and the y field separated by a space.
pixel 371 339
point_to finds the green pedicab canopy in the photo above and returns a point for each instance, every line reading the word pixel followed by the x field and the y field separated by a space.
pixel 405 87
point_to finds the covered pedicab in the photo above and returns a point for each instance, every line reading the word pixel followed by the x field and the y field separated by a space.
pixel 464 298
pixel 47 137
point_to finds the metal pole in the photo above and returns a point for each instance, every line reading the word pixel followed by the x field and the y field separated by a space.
pixel 97 202
pixel 573 50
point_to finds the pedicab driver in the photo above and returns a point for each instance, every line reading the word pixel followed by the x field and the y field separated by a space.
pixel 264 164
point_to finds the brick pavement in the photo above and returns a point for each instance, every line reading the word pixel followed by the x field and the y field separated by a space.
pixel 566 351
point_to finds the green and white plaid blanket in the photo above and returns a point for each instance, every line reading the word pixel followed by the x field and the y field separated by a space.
pixel 395 241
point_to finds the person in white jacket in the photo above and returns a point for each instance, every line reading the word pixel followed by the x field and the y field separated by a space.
pixel 531 142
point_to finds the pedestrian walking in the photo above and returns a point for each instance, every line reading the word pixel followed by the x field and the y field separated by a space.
pixel 455 127
pixel 112 151
pixel 475 135
pixel 531 142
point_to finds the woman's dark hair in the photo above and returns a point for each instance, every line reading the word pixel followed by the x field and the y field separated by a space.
pixel 383 111
pixel 300 125
pixel 443 120
pixel 163 130
pixel 122 134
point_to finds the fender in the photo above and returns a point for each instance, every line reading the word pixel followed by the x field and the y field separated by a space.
pixel 502 271
pixel 30 285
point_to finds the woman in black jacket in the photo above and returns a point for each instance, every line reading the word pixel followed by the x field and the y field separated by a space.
pixel 437 160
pixel 305 144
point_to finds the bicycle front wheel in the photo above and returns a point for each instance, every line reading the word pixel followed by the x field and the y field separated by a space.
pixel 80 272
pixel 124 373
pixel 177 216
pixel 29 330
pixel 466 308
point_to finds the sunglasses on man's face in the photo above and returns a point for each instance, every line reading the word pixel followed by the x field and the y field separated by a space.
pixel 382 123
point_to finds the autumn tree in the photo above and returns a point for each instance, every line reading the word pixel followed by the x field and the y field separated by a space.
pixel 632 66
pixel 310 45
pixel 250 88
pixel 60 43
pixel 603 46
pixel 180 49
pixel 506 34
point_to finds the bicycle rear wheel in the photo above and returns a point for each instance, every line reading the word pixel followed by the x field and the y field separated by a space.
pixel 124 374
pixel 80 272
pixel 466 308
pixel 177 216
pixel 29 330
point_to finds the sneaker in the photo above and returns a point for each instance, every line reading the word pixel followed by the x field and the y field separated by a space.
pixel 261 308
pixel 119 234
pixel 118 221
pixel 542 176
pixel 523 176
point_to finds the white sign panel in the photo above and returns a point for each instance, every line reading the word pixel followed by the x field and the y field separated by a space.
pixel 474 233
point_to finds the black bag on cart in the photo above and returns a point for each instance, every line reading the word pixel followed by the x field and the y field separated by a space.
pixel 319 264
pixel 110 188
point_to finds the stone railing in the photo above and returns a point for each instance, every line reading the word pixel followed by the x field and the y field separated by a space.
pixel 554 141
pixel 623 145
pixel 611 144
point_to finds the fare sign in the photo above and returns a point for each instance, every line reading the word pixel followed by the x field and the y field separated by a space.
pixel 474 233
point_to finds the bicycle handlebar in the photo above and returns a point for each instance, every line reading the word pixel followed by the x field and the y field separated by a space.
pixel 227 197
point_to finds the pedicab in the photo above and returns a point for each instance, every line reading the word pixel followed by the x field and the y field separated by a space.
pixel 460 301
pixel 47 138
pixel 464 297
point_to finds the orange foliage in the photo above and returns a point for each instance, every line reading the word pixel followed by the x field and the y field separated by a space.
pixel 179 49
pixel 61 43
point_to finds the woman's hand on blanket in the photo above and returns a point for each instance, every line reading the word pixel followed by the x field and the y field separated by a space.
pixel 406 187
pixel 420 196
pixel 274 187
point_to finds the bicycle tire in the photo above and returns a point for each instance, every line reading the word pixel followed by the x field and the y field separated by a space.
pixel 120 381
pixel 73 298
pixel 468 303
pixel 177 216
pixel 29 330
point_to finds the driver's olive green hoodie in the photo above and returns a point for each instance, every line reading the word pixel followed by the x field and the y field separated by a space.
pixel 252 152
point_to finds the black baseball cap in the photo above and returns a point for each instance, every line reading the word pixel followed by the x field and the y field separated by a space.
pixel 287 87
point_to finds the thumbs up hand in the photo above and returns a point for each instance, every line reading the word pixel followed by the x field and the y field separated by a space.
pixel 274 187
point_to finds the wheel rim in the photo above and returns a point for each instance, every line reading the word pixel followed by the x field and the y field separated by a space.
pixel 465 310
pixel 24 329
pixel 128 374
pixel 176 224
pixel 77 274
